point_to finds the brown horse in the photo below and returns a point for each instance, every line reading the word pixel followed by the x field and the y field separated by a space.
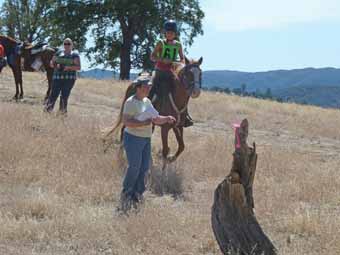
pixel 14 61
pixel 187 83
pixel 38 57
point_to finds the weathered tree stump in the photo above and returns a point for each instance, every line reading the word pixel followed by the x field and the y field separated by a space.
pixel 233 220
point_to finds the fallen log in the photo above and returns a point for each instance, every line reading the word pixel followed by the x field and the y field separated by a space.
pixel 235 226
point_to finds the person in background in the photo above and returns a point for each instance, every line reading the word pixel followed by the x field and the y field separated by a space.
pixel 66 63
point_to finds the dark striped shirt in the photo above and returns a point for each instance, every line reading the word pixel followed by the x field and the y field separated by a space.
pixel 59 74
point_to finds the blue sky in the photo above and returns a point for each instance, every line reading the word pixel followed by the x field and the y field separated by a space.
pixel 260 35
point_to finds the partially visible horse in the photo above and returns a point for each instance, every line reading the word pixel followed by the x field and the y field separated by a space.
pixel 14 61
pixel 187 83
pixel 38 57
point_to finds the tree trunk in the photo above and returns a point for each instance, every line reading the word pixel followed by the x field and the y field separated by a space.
pixel 125 51
pixel 125 62
pixel 233 220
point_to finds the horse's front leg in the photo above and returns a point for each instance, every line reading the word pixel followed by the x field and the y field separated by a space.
pixel 180 140
pixel 18 80
pixel 165 146
pixel 19 77
pixel 49 80
pixel 21 95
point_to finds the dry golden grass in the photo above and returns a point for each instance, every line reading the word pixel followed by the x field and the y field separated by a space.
pixel 58 190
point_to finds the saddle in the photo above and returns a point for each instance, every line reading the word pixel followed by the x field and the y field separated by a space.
pixel 2 51
pixel 36 48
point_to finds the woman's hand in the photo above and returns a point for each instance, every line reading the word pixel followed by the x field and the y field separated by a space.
pixel 171 119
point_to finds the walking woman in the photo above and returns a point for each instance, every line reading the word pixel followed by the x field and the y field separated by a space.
pixel 66 63
pixel 137 115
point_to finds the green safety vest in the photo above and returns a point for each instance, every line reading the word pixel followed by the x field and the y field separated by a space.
pixel 170 51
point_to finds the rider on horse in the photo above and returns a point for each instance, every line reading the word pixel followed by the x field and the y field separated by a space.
pixel 165 54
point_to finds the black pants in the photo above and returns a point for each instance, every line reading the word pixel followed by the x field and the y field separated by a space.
pixel 62 88
pixel 162 84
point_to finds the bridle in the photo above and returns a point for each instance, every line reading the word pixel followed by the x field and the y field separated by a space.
pixel 188 84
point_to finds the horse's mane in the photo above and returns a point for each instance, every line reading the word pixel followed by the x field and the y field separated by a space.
pixel 8 38
pixel 177 67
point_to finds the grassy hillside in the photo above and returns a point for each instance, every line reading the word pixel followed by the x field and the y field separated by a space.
pixel 314 86
pixel 325 96
pixel 277 79
pixel 58 189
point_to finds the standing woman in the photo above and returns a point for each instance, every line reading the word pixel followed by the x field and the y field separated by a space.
pixel 137 115
pixel 66 63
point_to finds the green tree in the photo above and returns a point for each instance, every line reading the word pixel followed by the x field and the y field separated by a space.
pixel 47 20
pixel 72 18
pixel 25 19
pixel 125 31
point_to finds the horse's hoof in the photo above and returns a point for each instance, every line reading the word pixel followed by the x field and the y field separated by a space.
pixel 21 96
pixel 171 159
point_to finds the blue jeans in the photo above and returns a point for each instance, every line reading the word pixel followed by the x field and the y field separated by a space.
pixel 63 88
pixel 138 152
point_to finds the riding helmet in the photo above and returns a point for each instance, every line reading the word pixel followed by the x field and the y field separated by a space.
pixel 170 25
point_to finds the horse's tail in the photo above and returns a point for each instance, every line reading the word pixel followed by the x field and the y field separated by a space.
pixel 129 92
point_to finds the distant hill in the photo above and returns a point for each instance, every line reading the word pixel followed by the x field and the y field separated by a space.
pixel 98 74
pixel 325 96
pixel 318 86
pixel 275 80
pixel 102 74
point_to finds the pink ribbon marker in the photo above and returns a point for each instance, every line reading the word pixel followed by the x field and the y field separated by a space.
pixel 236 127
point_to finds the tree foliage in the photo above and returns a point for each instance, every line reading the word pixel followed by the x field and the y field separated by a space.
pixel 122 32
pixel 25 19
pixel 71 18
pixel 126 31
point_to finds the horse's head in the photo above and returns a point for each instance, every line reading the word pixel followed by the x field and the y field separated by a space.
pixel 191 77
